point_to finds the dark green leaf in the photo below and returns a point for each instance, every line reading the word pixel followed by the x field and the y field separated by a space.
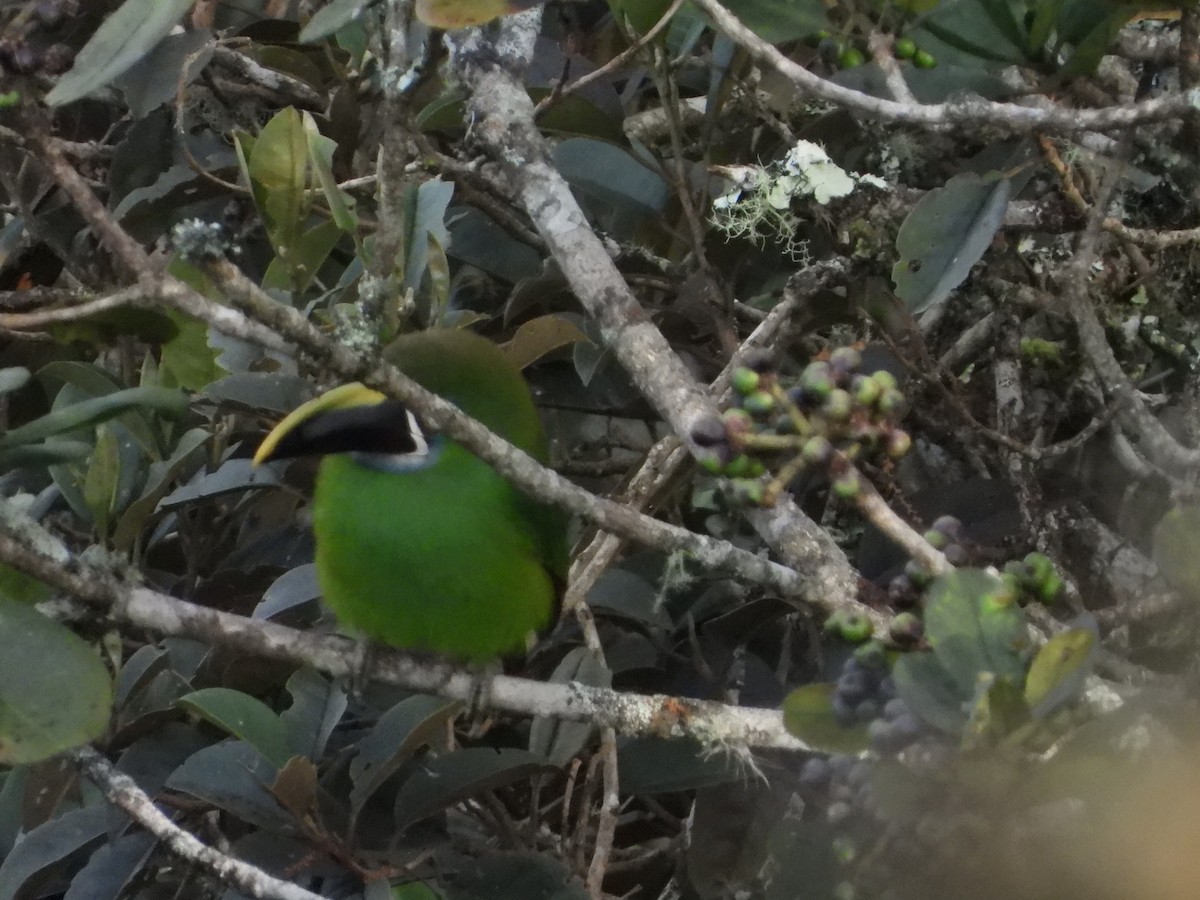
pixel 244 717
pixel 400 732
pixel 555 739
pixel 110 870
pixel 91 412
pixel 946 233
pixel 293 588
pixel 317 707
pixel 657 766
pixel 455 776
pixel 124 37
pixel 777 21
pixel 41 855
pixel 330 18
pixel 233 776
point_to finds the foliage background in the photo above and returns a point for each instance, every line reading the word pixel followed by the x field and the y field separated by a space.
pixel 1021 260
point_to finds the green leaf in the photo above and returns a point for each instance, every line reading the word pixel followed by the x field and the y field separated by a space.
pixel 158 481
pixel 91 412
pixel 454 777
pixel 276 166
pixel 777 21
pixel 999 710
pixel 1060 669
pixel 13 379
pixel 975 627
pixel 558 740
pixel 320 156
pixel 121 40
pixel 16 585
pixel 317 707
pixel 1177 550
pixel 243 716
pixel 930 691
pixel 308 251
pixel 103 474
pixel 331 18
pixel 55 692
pixel 400 732
pixel 946 233
pixel 808 714
pixel 188 359
pixel 640 15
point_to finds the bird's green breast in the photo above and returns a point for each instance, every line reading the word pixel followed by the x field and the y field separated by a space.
pixel 449 558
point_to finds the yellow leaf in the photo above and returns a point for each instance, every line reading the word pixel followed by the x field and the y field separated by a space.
pixel 451 14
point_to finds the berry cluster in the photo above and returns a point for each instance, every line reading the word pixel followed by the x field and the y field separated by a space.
pixel 863 688
pixel 27 49
pixel 830 417
pixel 845 55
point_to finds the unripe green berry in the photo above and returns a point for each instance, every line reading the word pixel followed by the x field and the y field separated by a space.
pixel 905 48
pixel 917 574
pixel 759 403
pixel 744 380
pixel 890 401
pixel 866 390
pixel 845 359
pixel 817 380
pixel 885 379
pixel 817 450
pixel 851 58
pixel 899 443
pixel 739 467
pixel 847 485
pixel 936 539
pixel 906 629
pixel 923 59
pixel 838 405
pixel 849 626
pixel 751 492
pixel 711 463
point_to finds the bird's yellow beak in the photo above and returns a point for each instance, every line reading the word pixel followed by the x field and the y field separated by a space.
pixel 347 396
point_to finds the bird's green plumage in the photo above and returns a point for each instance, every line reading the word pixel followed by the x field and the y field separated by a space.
pixel 449 557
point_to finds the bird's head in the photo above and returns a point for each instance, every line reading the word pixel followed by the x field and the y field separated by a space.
pixel 350 419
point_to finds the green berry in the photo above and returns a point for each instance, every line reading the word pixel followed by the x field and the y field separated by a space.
pixel 936 539
pixel 1051 588
pixel 899 443
pixel 711 463
pixel 838 405
pixel 851 58
pixel 759 403
pixel 849 626
pixel 817 450
pixel 866 390
pixel 816 380
pixel 917 574
pixel 845 359
pixel 846 486
pixel 890 401
pixel 885 379
pixel 739 467
pixel 906 629
pixel 744 380
pixel 905 48
pixel 923 59
pixel 737 422
pixel 751 492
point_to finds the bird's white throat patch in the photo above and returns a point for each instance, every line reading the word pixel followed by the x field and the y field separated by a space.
pixel 425 453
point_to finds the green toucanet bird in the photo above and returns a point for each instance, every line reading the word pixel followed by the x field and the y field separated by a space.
pixel 420 544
